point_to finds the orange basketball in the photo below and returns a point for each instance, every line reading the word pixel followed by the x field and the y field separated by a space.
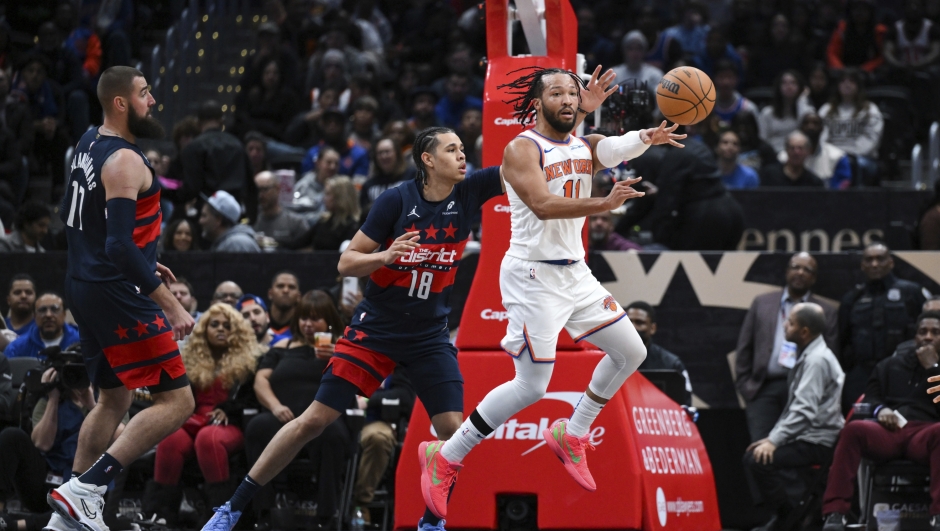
pixel 685 95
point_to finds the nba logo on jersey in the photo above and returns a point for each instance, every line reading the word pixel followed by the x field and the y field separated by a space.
pixel 610 304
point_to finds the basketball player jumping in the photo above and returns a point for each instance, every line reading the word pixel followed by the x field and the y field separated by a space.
pixel 545 284
pixel 128 320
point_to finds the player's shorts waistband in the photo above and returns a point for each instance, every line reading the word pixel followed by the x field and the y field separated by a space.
pixel 558 262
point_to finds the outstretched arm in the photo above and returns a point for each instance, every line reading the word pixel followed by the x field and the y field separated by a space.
pixel 610 151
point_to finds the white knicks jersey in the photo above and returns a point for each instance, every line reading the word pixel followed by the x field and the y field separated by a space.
pixel 568 168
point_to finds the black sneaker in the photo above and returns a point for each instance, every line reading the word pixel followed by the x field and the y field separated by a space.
pixel 834 522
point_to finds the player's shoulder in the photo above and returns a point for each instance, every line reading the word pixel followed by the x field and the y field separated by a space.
pixel 124 158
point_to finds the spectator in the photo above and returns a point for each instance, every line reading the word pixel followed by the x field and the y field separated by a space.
pixel 304 130
pixel 461 61
pixel 718 49
pixel 220 358
pixel 286 383
pixel 692 32
pixel 643 317
pixel 603 237
pixel 29 229
pixel 227 292
pixel 424 102
pixel 874 318
pixel 818 91
pixel 782 117
pixel 255 312
pixel 734 175
pixel 21 302
pixel 43 97
pixel 728 101
pixel 284 295
pixel 183 291
pixel 363 122
pixel 180 236
pixel 339 223
pixel 267 107
pixel 389 171
pixel 912 43
pixel 273 220
pixel 828 162
pixel 215 161
pixel 354 160
pixel 928 230
pixel 665 50
pixel 596 48
pixel 184 131
pixel 168 186
pixel 634 70
pixel 271 48
pixel 403 135
pixel 308 192
pixel 51 330
pixel 858 39
pixel 66 71
pixel 896 390
pixel 456 100
pixel 809 426
pixel 256 147
pixel 470 131
pixel 764 357
pixel 15 116
pixel 220 226
pixel 852 123
pixel 755 153
pixel 330 70
pixel 786 50
pixel 379 436
pixel 794 171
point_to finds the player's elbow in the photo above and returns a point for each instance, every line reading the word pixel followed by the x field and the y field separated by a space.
pixel 541 210
pixel 345 265
pixel 116 249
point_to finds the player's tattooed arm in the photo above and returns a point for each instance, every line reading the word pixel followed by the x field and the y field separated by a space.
pixel 360 259
pixel 124 174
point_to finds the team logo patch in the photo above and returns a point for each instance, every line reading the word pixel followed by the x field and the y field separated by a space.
pixel 450 205
pixel 609 303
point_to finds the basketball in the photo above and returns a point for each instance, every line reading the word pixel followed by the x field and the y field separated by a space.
pixel 685 95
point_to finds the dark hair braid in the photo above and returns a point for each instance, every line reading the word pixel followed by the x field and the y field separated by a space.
pixel 529 87
pixel 425 142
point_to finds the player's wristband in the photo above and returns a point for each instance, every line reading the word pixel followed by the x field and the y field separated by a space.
pixel 613 150
pixel 120 246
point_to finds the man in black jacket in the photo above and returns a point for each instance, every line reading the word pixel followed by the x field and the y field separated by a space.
pixel 643 317
pixel 907 427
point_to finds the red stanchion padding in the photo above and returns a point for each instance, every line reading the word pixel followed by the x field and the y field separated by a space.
pixel 678 484
pixel 515 460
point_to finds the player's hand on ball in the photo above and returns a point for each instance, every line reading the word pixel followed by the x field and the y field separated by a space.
pixel 622 191
pixel 403 245
pixel 661 135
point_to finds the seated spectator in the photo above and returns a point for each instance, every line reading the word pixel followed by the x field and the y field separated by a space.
pixel 389 171
pixel 255 312
pixel 785 50
pixel 456 100
pixel 906 428
pixel 273 221
pixel 15 115
pixel 184 131
pixel 470 131
pixel 809 426
pixel 183 291
pixel 286 383
pixel 402 133
pixel 267 107
pixel 794 171
pixel 11 161
pixel 271 48
pixel 858 39
pixel 43 97
pixel 728 101
pixel 461 60
pixel 874 317
pixel 734 175
pixel 818 92
pixel 66 71
pixel 603 237
pixel 30 227
pixel 643 317
pixel 308 192
pixel 256 147
pixel 852 123
pixel 227 292
pixel 363 122
pixel 828 162
pixel 764 358
pixel 912 43
pixel 180 236
pixel 782 117
pixel 928 229
pixel 339 222
pixel 717 48
pixel 665 51
pixel 21 301
pixel 424 103
pixel 220 358
pixel 284 295
pixel 692 31
pixel 596 48
pixel 755 153
pixel 51 330
pixel 354 160
pixel 634 70
pixel 220 226
pixel 304 130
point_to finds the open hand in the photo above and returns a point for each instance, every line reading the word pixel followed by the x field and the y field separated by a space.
pixel 764 452
pixel 597 89
pixel 935 389
pixel 622 191
pixel 661 135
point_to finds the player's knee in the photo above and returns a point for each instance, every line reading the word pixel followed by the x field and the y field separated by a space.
pixel 310 426
pixel 531 391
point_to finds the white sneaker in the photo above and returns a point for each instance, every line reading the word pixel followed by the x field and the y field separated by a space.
pixel 80 505
pixel 56 523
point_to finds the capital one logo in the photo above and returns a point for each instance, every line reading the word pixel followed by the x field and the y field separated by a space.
pixel 507 121
pixel 493 315
pixel 502 208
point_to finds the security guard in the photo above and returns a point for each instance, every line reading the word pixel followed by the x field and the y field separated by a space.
pixel 874 318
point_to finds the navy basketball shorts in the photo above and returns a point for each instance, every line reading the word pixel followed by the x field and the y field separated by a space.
pixel 374 343
pixel 125 337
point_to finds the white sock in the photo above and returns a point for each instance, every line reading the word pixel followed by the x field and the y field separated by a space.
pixel 459 445
pixel 582 418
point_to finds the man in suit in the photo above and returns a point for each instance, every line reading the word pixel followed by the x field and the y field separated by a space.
pixel 764 356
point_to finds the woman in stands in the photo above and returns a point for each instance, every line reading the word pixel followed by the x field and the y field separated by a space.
pixel 338 223
pixel 389 169
pixel 287 382
pixel 220 357
pixel 781 117
pixel 180 236
pixel 852 123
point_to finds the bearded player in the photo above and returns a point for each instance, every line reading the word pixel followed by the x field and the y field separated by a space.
pixel 128 319
pixel 545 284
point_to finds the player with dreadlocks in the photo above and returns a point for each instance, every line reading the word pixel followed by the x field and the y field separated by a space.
pixel 544 281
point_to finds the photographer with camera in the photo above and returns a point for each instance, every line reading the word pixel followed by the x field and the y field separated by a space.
pixel 50 330
pixel 32 462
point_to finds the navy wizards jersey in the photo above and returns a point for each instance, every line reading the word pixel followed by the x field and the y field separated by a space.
pixel 85 217
pixel 419 283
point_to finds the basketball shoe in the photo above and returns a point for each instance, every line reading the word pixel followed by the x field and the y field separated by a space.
pixel 571 451
pixel 56 523
pixel 437 476
pixel 224 519
pixel 80 505
pixel 428 527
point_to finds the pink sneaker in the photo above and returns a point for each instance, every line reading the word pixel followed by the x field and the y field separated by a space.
pixel 571 451
pixel 437 476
